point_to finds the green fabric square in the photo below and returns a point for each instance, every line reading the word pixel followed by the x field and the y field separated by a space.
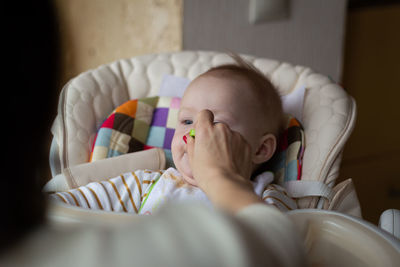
pixel 140 130
pixel 152 101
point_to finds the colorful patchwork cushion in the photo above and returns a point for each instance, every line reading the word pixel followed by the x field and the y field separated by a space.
pixel 288 159
pixel 138 125
pixel 150 122
pixel 125 130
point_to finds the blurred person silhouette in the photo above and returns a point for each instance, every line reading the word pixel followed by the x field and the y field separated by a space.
pixel 29 86
pixel 242 231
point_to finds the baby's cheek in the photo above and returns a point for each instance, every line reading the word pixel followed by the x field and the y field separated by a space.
pixel 173 144
pixel 176 142
pixel 251 138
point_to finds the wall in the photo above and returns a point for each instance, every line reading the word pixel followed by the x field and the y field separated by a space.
pixel 372 77
pixel 95 32
pixel 311 36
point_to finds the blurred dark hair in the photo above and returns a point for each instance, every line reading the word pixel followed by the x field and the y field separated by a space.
pixel 29 87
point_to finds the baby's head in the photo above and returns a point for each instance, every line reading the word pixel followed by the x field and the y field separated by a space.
pixel 239 96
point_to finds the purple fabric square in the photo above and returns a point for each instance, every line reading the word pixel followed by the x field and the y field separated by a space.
pixel 160 116
pixel 169 133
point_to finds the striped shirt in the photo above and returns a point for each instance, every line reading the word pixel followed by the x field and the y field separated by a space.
pixel 144 191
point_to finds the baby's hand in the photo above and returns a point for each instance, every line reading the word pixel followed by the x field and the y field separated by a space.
pixel 217 150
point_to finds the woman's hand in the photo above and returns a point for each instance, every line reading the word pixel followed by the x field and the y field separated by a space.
pixel 217 148
pixel 221 164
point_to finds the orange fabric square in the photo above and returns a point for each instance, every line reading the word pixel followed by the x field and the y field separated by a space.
pixel 293 122
pixel 128 108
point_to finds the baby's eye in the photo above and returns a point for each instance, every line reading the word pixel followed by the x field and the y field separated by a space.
pixel 186 122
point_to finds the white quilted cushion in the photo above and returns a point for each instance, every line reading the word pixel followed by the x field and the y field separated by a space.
pixel 328 115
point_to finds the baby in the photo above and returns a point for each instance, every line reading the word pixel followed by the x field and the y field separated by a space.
pixel 239 98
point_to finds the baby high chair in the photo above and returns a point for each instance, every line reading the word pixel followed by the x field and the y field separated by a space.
pixel 327 115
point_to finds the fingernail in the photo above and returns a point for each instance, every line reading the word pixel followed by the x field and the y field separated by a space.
pixel 185 139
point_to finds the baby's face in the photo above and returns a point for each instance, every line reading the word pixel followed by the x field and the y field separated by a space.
pixel 231 103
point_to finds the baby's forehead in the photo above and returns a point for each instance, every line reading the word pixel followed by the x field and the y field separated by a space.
pixel 230 79
pixel 211 87
pixel 230 84
pixel 219 92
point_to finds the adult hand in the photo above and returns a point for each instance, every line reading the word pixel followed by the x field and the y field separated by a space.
pixel 221 164
pixel 217 148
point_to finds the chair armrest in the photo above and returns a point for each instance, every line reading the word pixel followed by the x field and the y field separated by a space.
pixel 390 222
pixel 83 174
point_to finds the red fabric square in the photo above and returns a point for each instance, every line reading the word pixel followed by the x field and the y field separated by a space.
pixel 109 122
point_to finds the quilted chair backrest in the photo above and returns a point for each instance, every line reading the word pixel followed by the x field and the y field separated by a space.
pixel 85 101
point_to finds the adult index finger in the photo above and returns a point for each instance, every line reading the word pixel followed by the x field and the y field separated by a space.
pixel 205 118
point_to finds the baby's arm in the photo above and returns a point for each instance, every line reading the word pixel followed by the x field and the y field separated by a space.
pixel 121 194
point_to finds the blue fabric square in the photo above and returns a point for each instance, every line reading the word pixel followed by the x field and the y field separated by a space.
pixel 113 153
pixel 156 136
pixel 291 171
pixel 103 137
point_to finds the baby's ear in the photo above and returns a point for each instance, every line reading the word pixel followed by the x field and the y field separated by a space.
pixel 266 149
